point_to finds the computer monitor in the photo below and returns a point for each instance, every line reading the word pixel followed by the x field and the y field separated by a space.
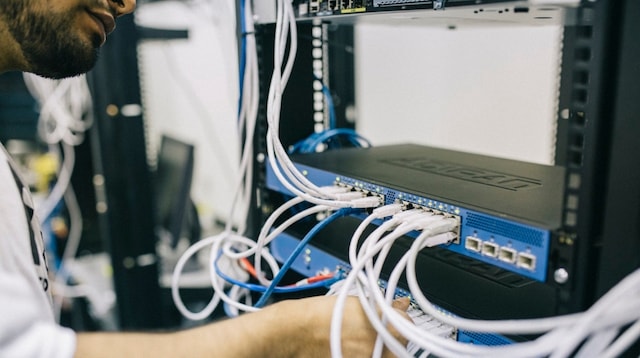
pixel 175 211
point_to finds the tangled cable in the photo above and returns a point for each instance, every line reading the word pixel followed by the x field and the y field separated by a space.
pixel 600 331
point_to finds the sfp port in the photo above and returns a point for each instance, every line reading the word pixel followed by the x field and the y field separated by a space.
pixel 526 261
pixel 472 243
pixel 508 255
pixel 490 248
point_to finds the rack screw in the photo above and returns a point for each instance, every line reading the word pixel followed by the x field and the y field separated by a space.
pixel 561 276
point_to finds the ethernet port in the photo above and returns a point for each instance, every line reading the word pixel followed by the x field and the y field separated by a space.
pixel 314 6
pixel 457 229
pixel 508 255
pixel 490 248
pixel 472 243
pixel 526 261
pixel 407 205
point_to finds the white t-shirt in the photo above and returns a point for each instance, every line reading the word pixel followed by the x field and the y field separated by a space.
pixel 27 324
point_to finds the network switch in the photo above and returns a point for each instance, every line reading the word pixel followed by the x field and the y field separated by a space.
pixel 507 209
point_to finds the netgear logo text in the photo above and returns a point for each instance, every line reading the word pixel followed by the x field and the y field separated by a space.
pixel 458 171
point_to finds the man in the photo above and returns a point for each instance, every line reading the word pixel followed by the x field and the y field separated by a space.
pixel 61 38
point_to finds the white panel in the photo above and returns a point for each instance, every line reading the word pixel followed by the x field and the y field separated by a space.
pixel 190 91
pixel 488 90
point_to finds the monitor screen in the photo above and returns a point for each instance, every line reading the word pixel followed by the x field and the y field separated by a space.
pixel 173 185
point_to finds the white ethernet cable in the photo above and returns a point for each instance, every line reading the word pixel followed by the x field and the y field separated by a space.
pixel 357 274
pixel 265 237
pixel 282 166
pixel 262 242
pixel 274 216
pixel 65 108
pixel 598 342
pixel 609 311
pixel 175 282
pixel 248 117
pixel 257 248
pixel 374 291
pixel 235 246
pixel 70 250
pixel 378 213
pixel 272 219
pixel 435 229
pixel 616 309
pixel 65 114
pixel 215 242
pixel 63 181
pixel 237 293
pixel 217 282
pixel 623 342
pixel 422 222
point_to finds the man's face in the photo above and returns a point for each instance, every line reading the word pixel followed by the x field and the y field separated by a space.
pixel 61 38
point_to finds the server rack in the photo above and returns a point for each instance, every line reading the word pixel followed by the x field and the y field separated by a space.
pixel 122 179
pixel 598 243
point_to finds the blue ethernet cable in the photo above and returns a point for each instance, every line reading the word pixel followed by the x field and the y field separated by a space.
pixel 296 252
pixel 353 137
pixel 332 109
pixel 309 144
pixel 243 52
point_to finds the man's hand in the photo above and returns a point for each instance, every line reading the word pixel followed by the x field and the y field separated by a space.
pixel 311 318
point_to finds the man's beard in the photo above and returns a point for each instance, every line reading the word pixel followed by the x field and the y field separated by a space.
pixel 48 41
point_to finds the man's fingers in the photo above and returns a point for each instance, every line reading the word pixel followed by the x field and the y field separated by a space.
pixel 401 303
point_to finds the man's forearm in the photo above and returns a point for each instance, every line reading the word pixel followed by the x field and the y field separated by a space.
pixel 250 335
pixel 293 328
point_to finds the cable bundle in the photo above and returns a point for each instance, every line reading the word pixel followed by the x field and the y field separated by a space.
pixel 606 329
pixel 65 114
pixel 231 247
pixel 600 331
